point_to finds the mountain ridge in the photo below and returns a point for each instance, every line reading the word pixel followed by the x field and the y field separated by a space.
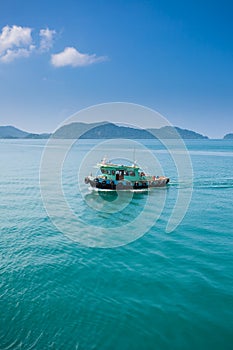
pixel 104 130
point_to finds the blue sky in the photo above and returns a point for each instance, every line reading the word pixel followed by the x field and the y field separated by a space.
pixel 57 57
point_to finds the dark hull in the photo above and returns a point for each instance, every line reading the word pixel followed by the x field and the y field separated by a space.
pixel 126 187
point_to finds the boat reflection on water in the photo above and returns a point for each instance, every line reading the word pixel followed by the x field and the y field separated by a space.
pixel 111 196
pixel 113 201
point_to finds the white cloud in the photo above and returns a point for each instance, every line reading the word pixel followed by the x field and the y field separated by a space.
pixel 15 41
pixel 14 36
pixel 72 57
pixel 10 54
pixel 47 36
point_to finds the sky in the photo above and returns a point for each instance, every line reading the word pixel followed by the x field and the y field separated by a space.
pixel 58 57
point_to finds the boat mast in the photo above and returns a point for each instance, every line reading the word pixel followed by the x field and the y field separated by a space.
pixel 134 159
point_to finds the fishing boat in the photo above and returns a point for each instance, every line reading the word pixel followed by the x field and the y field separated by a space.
pixel 116 177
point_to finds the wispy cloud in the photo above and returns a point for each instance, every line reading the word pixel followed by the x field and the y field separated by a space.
pixel 72 57
pixel 15 41
pixel 47 38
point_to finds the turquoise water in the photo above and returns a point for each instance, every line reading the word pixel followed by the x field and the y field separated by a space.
pixel 162 291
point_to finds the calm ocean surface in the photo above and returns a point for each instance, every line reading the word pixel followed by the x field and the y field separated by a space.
pixel 163 291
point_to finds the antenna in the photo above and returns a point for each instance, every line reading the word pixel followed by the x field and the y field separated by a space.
pixel 134 159
pixel 104 160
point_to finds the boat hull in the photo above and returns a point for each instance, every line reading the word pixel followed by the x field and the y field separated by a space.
pixel 107 185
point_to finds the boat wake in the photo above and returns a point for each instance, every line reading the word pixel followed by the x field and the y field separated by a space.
pixel 203 184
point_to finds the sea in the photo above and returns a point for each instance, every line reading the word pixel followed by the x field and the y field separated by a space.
pixel 65 283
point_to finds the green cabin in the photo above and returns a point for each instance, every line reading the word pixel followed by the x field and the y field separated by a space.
pixel 116 172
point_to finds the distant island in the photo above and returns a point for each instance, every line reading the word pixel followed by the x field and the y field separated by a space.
pixel 103 130
pixel 11 132
pixel 107 130
pixel 228 137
